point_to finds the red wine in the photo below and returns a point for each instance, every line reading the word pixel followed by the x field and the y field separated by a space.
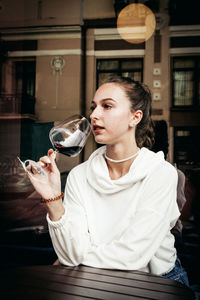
pixel 69 151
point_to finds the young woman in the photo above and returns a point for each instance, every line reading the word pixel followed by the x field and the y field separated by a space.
pixel 120 205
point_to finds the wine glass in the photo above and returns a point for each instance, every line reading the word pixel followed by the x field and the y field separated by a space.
pixel 67 137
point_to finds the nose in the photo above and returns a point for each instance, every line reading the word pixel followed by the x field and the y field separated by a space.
pixel 95 114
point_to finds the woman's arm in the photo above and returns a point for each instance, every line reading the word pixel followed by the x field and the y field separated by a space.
pixel 143 236
pixel 70 235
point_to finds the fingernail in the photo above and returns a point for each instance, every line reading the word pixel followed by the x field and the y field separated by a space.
pixel 48 160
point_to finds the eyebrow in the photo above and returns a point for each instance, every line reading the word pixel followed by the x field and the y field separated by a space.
pixel 103 100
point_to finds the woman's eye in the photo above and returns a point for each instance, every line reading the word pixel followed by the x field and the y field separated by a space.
pixel 92 108
pixel 107 106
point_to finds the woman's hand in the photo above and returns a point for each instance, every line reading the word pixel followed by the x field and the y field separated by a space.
pixel 49 184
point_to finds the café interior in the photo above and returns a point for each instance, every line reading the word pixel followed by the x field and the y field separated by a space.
pixel 53 56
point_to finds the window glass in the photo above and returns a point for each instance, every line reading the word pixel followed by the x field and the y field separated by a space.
pixel 134 75
pixel 126 65
pixel 103 77
pixel 186 81
pixel 182 133
pixel 199 89
pixel 184 63
pixel 183 88
pixel 186 146
pixel 132 68
pixel 25 77
pixel 107 65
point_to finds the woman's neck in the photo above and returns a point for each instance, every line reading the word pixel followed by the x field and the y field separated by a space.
pixel 121 159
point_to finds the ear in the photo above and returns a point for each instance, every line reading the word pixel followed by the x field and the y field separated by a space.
pixel 136 118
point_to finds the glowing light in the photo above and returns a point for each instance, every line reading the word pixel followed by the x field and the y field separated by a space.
pixel 136 23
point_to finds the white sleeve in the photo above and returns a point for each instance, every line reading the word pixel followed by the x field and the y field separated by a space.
pixel 147 229
pixel 69 235
pixel 138 243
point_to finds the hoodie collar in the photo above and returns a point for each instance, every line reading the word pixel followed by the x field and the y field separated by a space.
pixel 97 172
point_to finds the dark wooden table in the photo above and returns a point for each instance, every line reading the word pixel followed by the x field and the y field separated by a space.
pixel 61 283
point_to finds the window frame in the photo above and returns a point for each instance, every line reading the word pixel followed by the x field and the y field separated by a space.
pixel 196 72
pixel 119 70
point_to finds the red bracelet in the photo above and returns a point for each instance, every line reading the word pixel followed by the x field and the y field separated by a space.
pixel 52 199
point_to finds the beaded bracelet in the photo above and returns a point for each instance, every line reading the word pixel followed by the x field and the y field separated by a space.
pixel 52 199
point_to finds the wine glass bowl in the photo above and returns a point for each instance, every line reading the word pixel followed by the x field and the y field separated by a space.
pixel 69 136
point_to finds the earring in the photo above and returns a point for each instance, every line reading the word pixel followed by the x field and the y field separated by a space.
pixel 131 125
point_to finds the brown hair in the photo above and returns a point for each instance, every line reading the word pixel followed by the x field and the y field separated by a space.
pixel 140 98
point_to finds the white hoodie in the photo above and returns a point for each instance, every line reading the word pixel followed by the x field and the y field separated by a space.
pixel 119 224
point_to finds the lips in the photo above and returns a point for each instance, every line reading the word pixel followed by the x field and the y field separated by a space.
pixel 97 128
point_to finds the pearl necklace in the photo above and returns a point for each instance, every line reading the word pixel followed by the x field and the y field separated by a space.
pixel 121 160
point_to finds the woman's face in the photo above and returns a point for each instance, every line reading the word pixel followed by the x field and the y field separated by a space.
pixel 111 114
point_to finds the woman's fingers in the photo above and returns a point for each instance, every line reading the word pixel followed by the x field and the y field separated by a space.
pixel 52 157
pixel 44 161
pixel 48 161
pixel 33 167
pixel 51 153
